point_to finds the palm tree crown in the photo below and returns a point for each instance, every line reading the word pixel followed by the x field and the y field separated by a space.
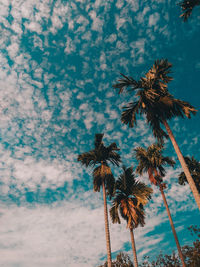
pixel 187 6
pixel 102 176
pixel 101 155
pixel 150 160
pixel 153 98
pixel 129 199
pixel 194 167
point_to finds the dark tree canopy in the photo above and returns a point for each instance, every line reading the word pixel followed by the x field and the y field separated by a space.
pixel 187 7
pixel 194 168
pixel 152 99
pixel 101 155
pixel 122 260
pixel 190 253
pixel 150 160
pixel 129 198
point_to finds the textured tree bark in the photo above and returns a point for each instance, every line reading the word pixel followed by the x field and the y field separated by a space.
pixel 134 249
pixel 106 226
pixel 172 226
pixel 183 164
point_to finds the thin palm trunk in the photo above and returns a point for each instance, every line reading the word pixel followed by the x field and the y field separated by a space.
pixel 183 164
pixel 106 226
pixel 172 226
pixel 134 248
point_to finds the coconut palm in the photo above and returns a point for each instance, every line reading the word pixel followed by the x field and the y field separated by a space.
pixel 102 175
pixel 187 7
pixel 194 167
pixel 153 100
pixel 129 199
pixel 151 160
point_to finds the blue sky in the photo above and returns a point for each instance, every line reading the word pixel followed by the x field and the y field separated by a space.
pixel 58 61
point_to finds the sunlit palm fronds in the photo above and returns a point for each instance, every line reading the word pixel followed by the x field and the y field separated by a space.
pixel 150 160
pixel 153 99
pixel 129 199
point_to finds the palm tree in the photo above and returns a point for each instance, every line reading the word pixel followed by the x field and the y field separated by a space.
pixel 151 161
pixel 129 199
pixel 194 167
pixel 158 105
pixel 187 7
pixel 102 175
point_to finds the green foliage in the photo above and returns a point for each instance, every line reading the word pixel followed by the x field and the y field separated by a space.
pixel 122 260
pixel 191 254
pixel 153 99
pixel 194 168
pixel 187 7
pixel 129 198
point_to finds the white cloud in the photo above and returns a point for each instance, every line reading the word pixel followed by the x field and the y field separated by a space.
pixel 97 22
pixel 70 46
pixel 119 21
pixel 13 49
pixel 112 38
pixel 153 19
pixel 34 26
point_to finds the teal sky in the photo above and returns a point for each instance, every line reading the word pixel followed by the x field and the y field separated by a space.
pixel 58 61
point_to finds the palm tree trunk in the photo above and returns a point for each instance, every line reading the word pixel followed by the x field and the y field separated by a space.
pixel 183 164
pixel 172 225
pixel 134 249
pixel 106 225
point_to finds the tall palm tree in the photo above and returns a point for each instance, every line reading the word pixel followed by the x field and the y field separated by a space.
pixel 194 168
pixel 187 7
pixel 151 160
pixel 102 175
pixel 158 105
pixel 129 199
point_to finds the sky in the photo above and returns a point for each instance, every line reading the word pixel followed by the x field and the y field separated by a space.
pixel 58 62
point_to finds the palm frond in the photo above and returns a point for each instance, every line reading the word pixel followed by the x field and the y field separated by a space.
pixel 151 160
pixel 129 114
pixel 110 184
pixel 88 158
pixel 130 197
pixel 103 173
pixel 154 99
pixel 114 158
pixel 160 70
pixel 187 7
pixel 98 140
pixel 168 161
pixel 114 213
pixel 154 121
pixel 194 168
pixel 126 82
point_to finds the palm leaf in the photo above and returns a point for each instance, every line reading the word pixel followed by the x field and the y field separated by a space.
pixel 114 214
pixel 151 160
pixel 126 82
pixel 130 196
pixel 129 114
pixel 154 99
pixel 98 140
pixel 187 7
pixel 88 158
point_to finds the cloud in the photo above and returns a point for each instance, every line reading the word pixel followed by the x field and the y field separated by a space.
pixel 97 22
pixel 70 46
pixel 58 62
pixel 153 19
